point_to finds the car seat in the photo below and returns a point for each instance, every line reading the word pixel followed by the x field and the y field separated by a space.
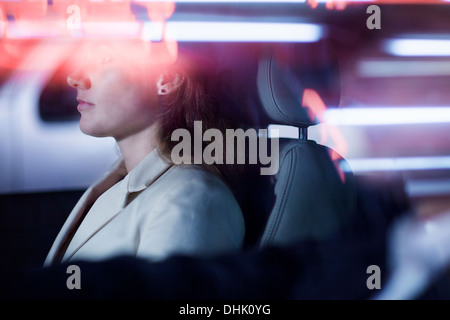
pixel 313 195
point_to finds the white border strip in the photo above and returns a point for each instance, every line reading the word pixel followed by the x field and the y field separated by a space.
pixel 185 31
pixel 243 31
pixel 368 116
pixel 416 188
pixel 399 164
pixel 418 47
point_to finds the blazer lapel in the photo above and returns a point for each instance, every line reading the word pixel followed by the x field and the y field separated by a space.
pixel 81 226
pixel 106 207
pixel 75 218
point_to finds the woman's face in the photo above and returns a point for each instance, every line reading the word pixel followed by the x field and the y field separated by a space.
pixel 116 89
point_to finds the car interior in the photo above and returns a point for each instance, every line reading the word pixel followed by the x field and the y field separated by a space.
pixel 291 87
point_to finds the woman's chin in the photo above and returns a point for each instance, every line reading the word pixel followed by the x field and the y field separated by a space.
pixel 91 130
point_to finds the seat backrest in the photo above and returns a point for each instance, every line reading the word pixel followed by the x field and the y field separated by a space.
pixel 314 197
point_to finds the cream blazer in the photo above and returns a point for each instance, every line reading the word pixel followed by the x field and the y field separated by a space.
pixel 154 211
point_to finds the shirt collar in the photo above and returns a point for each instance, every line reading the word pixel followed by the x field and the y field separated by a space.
pixel 146 172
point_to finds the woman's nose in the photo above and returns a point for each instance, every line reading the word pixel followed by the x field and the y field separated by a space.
pixel 78 80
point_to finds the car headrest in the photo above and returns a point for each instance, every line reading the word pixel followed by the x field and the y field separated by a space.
pixel 284 72
pixel 280 92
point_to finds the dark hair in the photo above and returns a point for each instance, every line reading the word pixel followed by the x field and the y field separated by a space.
pixel 200 96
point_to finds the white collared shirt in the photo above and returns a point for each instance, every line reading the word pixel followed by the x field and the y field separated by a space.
pixel 173 210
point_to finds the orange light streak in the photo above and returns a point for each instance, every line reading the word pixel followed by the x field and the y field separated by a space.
pixel 316 108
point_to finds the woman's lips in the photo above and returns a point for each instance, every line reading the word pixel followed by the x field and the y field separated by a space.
pixel 83 104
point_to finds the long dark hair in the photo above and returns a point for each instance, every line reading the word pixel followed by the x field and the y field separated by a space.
pixel 201 96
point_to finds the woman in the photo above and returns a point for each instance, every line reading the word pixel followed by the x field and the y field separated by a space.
pixel 145 205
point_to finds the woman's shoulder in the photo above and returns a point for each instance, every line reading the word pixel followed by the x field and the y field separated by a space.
pixel 194 191
pixel 191 182
pixel 195 174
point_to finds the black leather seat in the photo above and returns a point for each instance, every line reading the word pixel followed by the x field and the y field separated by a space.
pixel 314 197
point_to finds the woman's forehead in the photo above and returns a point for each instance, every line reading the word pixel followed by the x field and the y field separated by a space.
pixel 130 51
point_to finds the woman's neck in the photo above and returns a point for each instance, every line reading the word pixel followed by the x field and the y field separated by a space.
pixel 137 146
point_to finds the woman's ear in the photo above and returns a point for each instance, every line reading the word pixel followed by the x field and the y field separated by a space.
pixel 168 83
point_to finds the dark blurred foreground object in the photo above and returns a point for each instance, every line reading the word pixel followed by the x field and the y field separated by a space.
pixel 308 270
pixel 334 268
